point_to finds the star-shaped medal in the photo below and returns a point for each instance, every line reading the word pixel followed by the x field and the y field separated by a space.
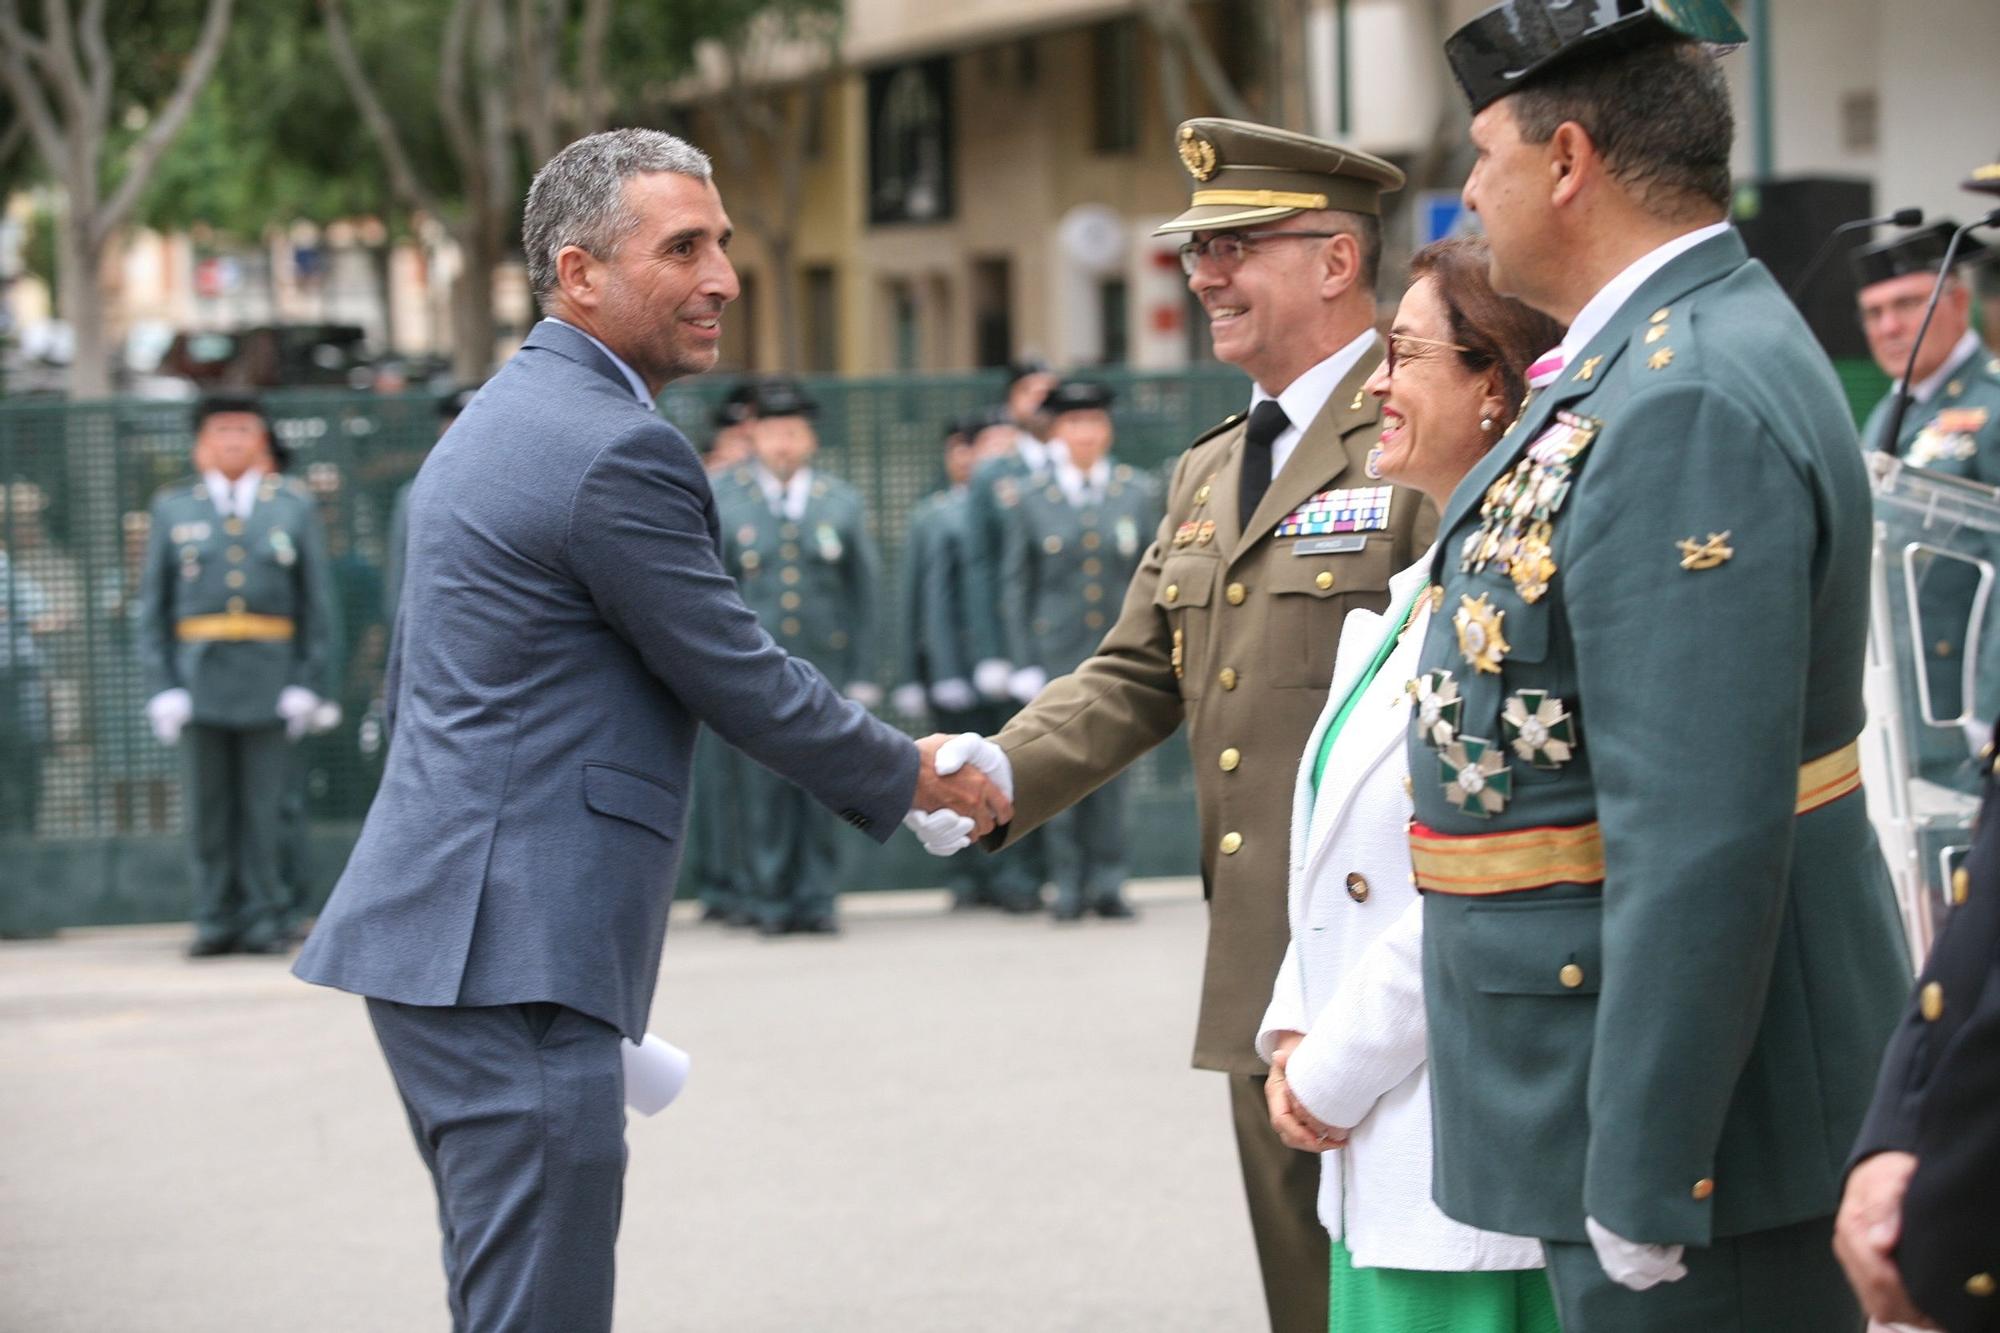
pixel 1479 636
pixel 1476 778
pixel 1539 728
pixel 1437 707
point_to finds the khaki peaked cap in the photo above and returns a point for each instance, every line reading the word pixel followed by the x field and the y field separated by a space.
pixel 1245 174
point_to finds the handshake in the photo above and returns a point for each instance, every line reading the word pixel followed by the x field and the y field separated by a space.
pixel 965 790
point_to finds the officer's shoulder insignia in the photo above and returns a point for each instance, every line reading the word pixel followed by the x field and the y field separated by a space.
pixel 1705 554
pixel 1233 419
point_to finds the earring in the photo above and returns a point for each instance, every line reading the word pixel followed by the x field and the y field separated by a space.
pixel 1486 423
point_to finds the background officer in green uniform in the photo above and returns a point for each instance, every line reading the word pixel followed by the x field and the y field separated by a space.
pixel 806 564
pixel 714 871
pixel 1661 952
pixel 1073 539
pixel 937 650
pixel 235 628
pixel 1028 386
pixel 1952 425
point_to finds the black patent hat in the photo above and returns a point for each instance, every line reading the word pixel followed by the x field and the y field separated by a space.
pixel 1919 251
pixel 782 398
pixel 1506 48
pixel 1078 396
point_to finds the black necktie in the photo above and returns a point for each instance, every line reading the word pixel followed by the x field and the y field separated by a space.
pixel 1267 423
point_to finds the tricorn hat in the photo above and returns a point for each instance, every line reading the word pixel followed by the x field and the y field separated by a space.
pixel 1919 251
pixel 1509 46
pixel 1078 396
pixel 781 398
pixel 1245 174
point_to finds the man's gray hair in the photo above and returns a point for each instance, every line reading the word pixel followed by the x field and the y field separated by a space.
pixel 578 197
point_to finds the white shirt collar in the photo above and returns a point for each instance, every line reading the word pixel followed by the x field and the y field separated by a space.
pixel 1076 483
pixel 786 497
pixel 1035 453
pixel 1962 351
pixel 1597 312
pixel 1305 397
pixel 631 376
pixel 237 498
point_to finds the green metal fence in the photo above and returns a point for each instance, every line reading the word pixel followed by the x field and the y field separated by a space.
pixel 90 807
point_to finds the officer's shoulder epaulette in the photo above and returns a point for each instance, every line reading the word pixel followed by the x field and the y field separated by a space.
pixel 1663 341
pixel 1233 419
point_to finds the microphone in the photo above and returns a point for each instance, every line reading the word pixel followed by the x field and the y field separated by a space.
pixel 1902 217
pixel 1901 407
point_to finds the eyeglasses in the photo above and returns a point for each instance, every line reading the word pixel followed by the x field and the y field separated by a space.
pixel 1408 347
pixel 1227 249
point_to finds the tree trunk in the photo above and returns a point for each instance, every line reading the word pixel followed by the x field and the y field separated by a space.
pixel 82 303
pixel 474 330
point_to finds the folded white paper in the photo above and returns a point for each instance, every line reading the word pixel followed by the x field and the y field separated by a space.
pixel 655 1072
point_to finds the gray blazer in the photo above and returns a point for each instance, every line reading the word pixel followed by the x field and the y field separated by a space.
pixel 565 627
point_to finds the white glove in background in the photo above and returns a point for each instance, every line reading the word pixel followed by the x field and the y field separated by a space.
pixel 324 718
pixel 1630 1264
pixel 990 677
pixel 865 692
pixel 1026 683
pixel 954 695
pixel 908 699
pixel 297 704
pixel 942 832
pixel 169 711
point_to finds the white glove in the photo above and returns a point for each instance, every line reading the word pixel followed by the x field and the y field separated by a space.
pixel 969 747
pixel 942 832
pixel 1630 1264
pixel 908 700
pixel 990 677
pixel 324 718
pixel 297 704
pixel 1978 735
pixel 1026 683
pixel 865 692
pixel 954 695
pixel 169 711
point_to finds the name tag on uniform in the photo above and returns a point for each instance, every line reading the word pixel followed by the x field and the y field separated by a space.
pixel 1330 546
pixel 1342 509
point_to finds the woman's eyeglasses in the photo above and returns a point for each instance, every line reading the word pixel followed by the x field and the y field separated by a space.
pixel 1408 347
pixel 1226 249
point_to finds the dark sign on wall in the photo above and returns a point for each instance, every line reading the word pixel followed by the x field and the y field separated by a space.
pixel 910 143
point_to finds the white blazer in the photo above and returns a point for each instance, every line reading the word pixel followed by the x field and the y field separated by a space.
pixel 1352 979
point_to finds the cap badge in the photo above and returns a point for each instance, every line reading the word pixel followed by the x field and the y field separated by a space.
pixel 1197 154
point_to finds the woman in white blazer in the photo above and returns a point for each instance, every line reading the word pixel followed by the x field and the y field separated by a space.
pixel 1345 1032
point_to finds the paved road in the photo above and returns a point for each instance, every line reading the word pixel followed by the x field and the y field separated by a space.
pixel 936 1122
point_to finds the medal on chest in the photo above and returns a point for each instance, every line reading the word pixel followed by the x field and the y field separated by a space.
pixel 1517 516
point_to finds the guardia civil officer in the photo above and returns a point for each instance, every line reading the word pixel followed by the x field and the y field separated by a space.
pixel 1071 544
pixel 1661 957
pixel 938 653
pixel 806 564
pixel 992 480
pixel 1273 532
pixel 1952 425
pixel 235 626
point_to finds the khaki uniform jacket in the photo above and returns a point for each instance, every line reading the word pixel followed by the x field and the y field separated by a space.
pixel 1234 631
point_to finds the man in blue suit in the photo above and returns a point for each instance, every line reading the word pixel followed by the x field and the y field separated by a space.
pixel 565 629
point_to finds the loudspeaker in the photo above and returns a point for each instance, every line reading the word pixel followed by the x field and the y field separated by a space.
pixel 1784 221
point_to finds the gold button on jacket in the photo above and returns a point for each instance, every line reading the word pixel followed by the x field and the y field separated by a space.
pixel 1229 759
pixel 1571 976
pixel 1357 886
pixel 1255 678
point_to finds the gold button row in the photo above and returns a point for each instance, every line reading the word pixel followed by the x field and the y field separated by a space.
pixel 1226 678
pixel 1571 976
pixel 1236 592
pixel 1323 580
pixel 1229 759
pixel 1232 842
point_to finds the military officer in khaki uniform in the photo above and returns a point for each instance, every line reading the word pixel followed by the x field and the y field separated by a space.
pixel 1073 538
pixel 235 626
pixel 1273 532
pixel 797 541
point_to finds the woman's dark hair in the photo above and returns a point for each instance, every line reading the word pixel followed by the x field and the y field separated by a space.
pixel 1501 332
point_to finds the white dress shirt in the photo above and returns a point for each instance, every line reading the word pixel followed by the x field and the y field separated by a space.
pixel 1305 396
pixel 631 376
pixel 1967 347
pixel 1597 311
pixel 786 498
pixel 233 499
pixel 1080 487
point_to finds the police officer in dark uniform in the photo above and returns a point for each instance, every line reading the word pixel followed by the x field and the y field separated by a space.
pixel 1074 537
pixel 806 564
pixel 235 630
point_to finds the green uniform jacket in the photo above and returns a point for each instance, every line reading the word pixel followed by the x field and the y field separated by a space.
pixel 1684 1049
pixel 1064 569
pixel 985 539
pixel 812 582
pixel 271 564
pixel 937 631
pixel 1957 432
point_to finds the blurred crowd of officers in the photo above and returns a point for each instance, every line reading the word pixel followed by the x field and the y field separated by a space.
pixel 1011 573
